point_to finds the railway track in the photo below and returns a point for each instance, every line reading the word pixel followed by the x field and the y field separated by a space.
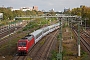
pixel 85 40
pixel 19 58
pixel 7 33
pixel 10 37
pixel 41 50
pixel 6 30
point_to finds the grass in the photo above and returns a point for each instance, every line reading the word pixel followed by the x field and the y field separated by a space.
pixel 42 42
pixel 37 23
pixel 53 55
pixel 28 58
pixel 11 44
pixel 84 55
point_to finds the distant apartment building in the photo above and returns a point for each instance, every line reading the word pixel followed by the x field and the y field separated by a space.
pixel 66 10
pixel 14 9
pixel 26 8
pixel 35 8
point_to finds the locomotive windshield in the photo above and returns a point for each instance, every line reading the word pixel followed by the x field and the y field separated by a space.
pixel 22 44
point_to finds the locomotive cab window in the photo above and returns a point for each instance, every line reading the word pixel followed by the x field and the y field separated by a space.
pixel 22 44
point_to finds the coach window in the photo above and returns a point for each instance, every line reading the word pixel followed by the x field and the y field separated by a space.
pixel 39 35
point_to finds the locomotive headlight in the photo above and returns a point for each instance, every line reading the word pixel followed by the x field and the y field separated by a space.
pixel 24 48
pixel 19 48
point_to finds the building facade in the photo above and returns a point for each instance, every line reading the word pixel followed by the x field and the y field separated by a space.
pixel 35 8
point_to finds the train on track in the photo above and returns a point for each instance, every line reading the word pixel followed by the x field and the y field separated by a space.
pixel 26 43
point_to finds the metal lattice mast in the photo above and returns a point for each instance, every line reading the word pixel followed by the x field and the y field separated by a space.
pixel 59 55
pixel 78 39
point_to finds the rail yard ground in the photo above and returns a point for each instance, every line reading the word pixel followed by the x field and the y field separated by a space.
pixel 70 51
pixel 69 43
pixel 8 48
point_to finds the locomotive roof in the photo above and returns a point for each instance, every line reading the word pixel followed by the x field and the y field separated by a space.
pixel 26 37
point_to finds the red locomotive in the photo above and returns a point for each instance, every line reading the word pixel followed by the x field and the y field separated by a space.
pixel 25 44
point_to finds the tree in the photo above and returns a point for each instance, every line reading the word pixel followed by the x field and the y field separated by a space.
pixel 83 11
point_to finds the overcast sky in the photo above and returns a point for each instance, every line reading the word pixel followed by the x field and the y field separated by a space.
pixel 46 5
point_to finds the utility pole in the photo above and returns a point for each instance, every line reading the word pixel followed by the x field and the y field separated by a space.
pixel 15 26
pixel 68 21
pixel 59 55
pixel 9 36
pixel 79 39
pixel 71 27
